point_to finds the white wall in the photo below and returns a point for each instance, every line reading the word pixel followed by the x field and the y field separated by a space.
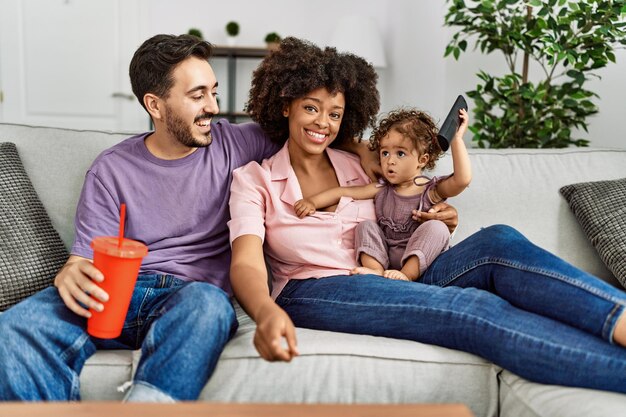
pixel 607 127
pixel 415 75
pixel 413 33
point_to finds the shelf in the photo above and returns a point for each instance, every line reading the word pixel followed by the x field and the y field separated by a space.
pixel 239 51
pixel 232 54
pixel 232 114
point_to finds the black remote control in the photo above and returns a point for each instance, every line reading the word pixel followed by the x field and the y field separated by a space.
pixel 451 124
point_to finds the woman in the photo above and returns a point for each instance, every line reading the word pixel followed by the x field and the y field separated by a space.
pixel 494 294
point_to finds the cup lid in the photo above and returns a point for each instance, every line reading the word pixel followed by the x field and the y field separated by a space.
pixel 110 246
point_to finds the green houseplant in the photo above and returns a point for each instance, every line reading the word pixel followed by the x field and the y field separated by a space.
pixel 232 28
pixel 567 40
pixel 195 32
pixel 272 40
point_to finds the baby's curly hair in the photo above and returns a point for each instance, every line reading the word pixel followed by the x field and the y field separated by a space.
pixel 415 125
pixel 299 67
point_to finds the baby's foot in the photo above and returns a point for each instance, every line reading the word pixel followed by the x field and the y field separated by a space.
pixel 361 270
pixel 395 274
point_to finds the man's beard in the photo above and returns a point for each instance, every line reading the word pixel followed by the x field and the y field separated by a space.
pixel 182 132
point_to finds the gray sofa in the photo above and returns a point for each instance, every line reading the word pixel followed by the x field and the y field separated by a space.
pixel 515 187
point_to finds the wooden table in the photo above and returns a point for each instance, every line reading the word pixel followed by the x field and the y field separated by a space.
pixel 205 409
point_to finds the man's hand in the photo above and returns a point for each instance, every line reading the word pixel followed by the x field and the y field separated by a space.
pixel 304 207
pixel 371 165
pixel 272 325
pixel 76 283
pixel 440 211
pixel 369 159
pixel 370 162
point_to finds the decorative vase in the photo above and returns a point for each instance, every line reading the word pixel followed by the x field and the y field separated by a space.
pixel 273 46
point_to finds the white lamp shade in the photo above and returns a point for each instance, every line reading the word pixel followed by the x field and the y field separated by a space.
pixel 360 35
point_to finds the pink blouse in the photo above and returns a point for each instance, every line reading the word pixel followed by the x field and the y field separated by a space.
pixel 321 245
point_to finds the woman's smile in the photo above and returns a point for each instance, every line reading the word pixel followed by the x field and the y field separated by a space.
pixel 316 137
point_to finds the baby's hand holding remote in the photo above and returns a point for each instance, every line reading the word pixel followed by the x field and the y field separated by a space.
pixel 464 122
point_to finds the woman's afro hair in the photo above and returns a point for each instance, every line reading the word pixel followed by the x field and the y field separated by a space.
pixel 299 67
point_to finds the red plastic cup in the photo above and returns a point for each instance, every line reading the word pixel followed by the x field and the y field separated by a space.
pixel 119 263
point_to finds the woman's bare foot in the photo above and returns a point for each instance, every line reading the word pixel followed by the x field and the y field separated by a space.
pixel 361 270
pixel 619 334
pixel 395 274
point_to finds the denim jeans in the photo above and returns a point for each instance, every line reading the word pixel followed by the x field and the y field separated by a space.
pixel 495 295
pixel 180 327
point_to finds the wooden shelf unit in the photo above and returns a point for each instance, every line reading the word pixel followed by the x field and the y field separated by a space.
pixel 232 54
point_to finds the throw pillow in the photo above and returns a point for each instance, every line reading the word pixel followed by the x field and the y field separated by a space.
pixel 600 208
pixel 31 251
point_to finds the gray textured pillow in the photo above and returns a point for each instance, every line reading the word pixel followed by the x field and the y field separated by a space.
pixel 31 251
pixel 600 208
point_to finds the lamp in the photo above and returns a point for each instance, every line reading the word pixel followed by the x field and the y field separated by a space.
pixel 360 35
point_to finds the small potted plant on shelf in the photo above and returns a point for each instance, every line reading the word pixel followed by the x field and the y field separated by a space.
pixel 232 30
pixel 195 32
pixel 272 40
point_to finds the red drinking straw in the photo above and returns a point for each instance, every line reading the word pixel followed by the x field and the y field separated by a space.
pixel 122 219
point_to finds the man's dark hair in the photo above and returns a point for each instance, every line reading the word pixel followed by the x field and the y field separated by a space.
pixel 299 67
pixel 153 63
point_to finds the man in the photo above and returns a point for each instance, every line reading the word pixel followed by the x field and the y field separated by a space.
pixel 175 183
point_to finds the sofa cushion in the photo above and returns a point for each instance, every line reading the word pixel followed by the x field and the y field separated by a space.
pixel 105 373
pixel 332 368
pixel 31 251
pixel 600 208
pixel 522 398
pixel 520 188
pixel 348 368
pixel 67 153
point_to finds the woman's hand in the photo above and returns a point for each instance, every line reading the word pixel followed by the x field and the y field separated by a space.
pixel 440 211
pixel 248 277
pixel 76 283
pixel 272 325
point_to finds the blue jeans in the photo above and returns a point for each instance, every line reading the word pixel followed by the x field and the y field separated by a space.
pixel 495 295
pixel 180 327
